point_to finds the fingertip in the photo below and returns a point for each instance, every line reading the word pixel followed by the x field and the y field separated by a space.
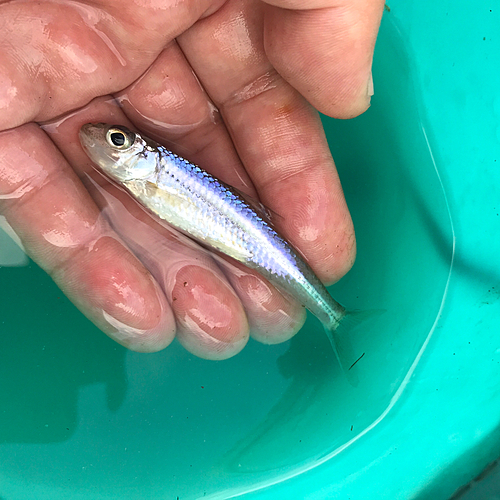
pixel 211 322
pixel 146 340
pixel 205 346
pixel 112 288
pixel 272 316
pixel 353 99
pixel 339 260
pixel 332 57
pixel 279 325
pixel 350 108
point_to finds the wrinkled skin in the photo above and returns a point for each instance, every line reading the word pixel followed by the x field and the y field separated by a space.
pixel 247 116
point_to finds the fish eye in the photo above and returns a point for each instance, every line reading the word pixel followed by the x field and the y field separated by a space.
pixel 119 139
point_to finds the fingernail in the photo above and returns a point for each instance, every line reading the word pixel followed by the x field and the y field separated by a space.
pixel 369 90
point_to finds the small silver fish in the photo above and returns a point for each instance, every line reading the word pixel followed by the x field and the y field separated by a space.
pixel 214 214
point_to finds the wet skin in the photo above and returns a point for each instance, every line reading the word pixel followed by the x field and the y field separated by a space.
pixel 245 117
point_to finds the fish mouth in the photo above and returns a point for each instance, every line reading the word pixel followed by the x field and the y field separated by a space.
pixel 86 135
pixel 90 134
pixel 86 128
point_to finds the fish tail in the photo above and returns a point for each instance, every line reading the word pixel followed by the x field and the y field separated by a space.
pixel 339 334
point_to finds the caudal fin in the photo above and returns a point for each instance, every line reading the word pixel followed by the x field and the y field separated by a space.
pixel 341 339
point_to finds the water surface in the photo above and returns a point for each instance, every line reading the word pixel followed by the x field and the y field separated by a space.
pixel 81 417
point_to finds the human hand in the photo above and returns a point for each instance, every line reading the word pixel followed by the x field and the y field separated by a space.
pixel 248 123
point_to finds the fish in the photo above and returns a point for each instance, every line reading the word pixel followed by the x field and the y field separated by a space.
pixel 217 216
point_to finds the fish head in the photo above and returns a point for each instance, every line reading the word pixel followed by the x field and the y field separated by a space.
pixel 120 153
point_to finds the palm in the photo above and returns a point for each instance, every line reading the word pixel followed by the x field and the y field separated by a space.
pixel 265 140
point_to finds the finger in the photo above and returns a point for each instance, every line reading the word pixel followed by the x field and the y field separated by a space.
pixel 324 48
pixel 56 56
pixel 278 136
pixel 61 228
pixel 273 317
pixel 169 103
pixel 211 321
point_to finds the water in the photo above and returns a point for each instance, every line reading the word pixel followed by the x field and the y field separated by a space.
pixel 81 417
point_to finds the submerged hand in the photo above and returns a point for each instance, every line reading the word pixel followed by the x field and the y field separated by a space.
pixel 244 117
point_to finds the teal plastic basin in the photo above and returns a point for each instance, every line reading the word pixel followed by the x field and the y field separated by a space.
pixel 82 418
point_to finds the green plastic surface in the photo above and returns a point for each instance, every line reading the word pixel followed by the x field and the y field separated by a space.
pixel 82 418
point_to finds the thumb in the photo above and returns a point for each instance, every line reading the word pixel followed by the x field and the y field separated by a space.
pixel 324 48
